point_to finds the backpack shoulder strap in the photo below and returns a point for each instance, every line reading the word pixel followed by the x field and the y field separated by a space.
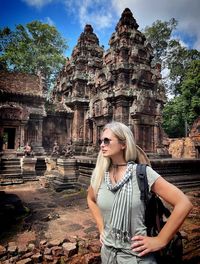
pixel 141 175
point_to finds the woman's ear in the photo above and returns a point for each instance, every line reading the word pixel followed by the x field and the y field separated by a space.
pixel 123 146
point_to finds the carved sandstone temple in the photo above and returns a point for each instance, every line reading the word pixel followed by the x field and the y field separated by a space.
pixel 94 87
pixel 21 111
pixel 118 84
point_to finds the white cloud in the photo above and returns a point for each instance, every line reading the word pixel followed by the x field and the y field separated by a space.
pixel 146 12
pixel 104 14
pixel 37 3
pixel 98 13
pixel 49 21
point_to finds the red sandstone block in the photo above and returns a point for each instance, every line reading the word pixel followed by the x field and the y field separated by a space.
pixel 37 258
pixel 24 261
pixel 2 250
pixel 70 249
pixel 57 251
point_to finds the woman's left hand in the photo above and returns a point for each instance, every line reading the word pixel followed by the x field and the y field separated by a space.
pixel 145 244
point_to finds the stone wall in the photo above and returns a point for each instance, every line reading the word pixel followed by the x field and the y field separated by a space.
pixel 118 84
pixel 182 148
pixel 188 147
pixel 56 128
pixel 21 83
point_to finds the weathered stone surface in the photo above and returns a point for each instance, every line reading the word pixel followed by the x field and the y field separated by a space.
pixel 24 261
pixel 69 249
pixel 57 251
pixel 118 84
pixel 69 252
pixel 37 258
pixel 2 250
pixel 87 243
pixel 12 247
pixel 53 243
pixel 188 147
pixel 182 148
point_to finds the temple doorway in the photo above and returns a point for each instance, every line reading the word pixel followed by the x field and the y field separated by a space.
pixel 9 136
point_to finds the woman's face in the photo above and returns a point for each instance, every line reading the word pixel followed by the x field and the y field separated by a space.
pixel 110 145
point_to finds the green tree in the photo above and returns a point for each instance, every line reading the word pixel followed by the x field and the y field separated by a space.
pixel 33 48
pixel 177 62
pixel 182 81
pixel 173 57
pixel 159 35
pixel 174 118
pixel 181 111
pixel 190 89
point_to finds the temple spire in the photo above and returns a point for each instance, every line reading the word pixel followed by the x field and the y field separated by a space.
pixel 127 19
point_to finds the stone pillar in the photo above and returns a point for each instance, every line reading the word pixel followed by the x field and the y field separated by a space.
pixel 22 143
pixel 122 109
pixel 37 144
pixel 67 175
pixel 156 137
pixel 28 168
pixel 136 131
pixel 51 172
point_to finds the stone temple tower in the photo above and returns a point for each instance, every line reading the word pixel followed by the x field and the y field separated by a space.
pixel 118 84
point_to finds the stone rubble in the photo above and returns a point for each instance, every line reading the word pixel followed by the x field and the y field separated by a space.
pixel 70 250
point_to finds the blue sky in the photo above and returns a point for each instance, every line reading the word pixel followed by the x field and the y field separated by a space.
pixel 70 16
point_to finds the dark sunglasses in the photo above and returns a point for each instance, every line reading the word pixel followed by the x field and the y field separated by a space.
pixel 105 141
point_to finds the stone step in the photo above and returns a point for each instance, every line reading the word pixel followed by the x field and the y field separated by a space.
pixel 5 182
pixel 10 170
pixel 189 183
pixel 185 178
pixel 10 163
pixel 10 175
pixel 10 159
pixel 187 186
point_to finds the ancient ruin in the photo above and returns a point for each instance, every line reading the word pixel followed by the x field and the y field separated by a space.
pixel 188 147
pixel 117 84
pixel 94 87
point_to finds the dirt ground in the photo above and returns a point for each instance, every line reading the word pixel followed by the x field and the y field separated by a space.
pixel 55 215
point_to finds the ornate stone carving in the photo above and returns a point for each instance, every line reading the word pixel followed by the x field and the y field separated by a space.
pixel 118 84
pixel 68 151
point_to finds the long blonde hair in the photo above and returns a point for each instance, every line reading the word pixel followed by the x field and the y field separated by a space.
pixel 124 134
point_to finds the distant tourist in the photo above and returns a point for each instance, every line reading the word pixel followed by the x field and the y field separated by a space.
pixel 27 150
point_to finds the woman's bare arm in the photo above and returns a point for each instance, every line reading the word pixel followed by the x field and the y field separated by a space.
pixel 181 208
pixel 91 200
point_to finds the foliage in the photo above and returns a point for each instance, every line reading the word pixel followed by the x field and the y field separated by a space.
pixel 173 57
pixel 181 111
pixel 34 48
pixel 182 82
pixel 159 35
pixel 190 89
pixel 5 138
pixel 173 118
pixel 178 61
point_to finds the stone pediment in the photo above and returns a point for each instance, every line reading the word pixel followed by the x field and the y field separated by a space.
pixel 20 83
pixel 13 112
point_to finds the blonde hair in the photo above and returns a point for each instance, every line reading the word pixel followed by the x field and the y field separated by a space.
pixel 125 135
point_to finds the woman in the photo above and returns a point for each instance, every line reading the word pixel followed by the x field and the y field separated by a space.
pixel 114 200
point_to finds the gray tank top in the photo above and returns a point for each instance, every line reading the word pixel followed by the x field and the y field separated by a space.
pixel 105 200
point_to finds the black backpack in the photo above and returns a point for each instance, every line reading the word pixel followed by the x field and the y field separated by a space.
pixel 156 215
